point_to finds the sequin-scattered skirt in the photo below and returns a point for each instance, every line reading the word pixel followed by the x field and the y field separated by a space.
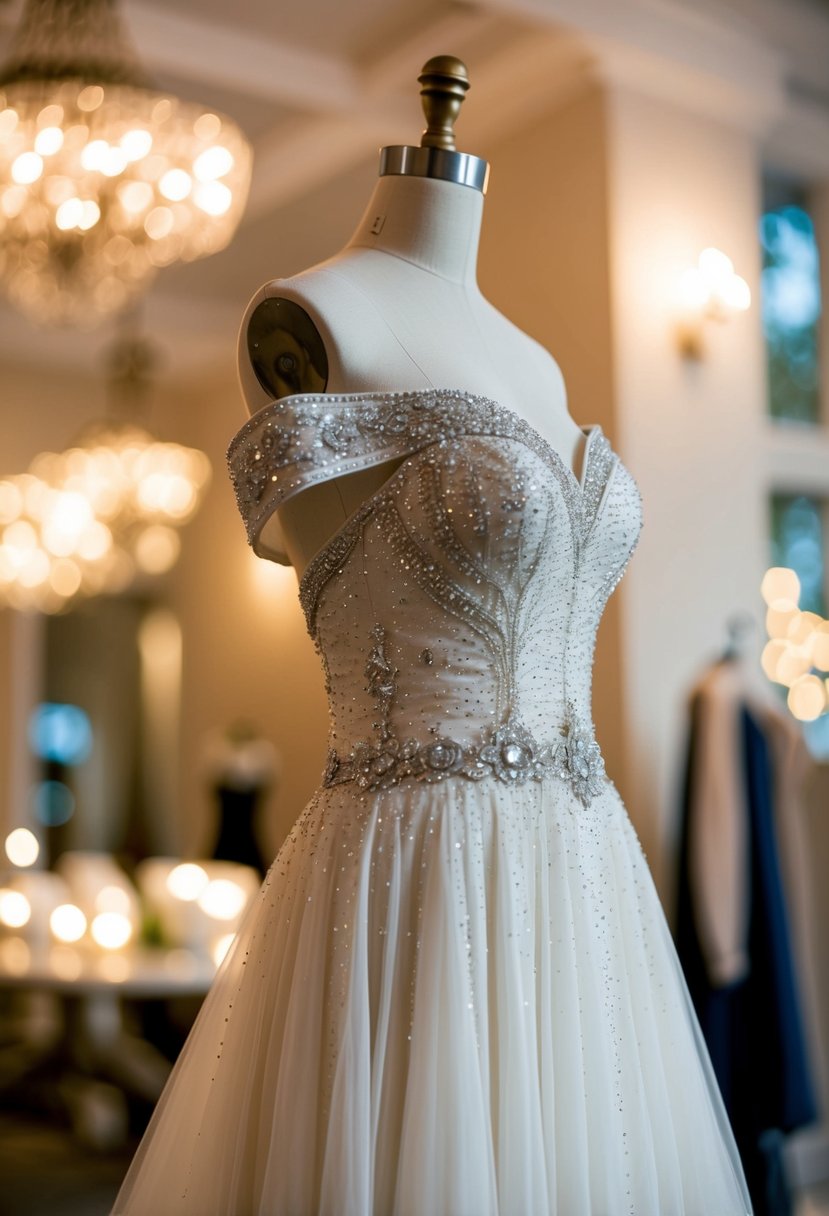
pixel 450 1000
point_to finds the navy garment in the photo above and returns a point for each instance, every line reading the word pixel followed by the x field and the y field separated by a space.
pixel 753 1027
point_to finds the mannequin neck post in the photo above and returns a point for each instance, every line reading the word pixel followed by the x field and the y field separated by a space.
pixel 433 224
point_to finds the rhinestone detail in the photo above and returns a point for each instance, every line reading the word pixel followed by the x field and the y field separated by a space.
pixel 509 754
pixel 301 440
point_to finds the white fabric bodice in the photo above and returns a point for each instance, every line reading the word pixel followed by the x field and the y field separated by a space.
pixel 456 611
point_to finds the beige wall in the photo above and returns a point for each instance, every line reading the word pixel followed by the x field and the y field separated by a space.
pixel 690 432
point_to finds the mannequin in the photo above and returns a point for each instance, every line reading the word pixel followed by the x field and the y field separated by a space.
pixel 399 308
pixel 456 992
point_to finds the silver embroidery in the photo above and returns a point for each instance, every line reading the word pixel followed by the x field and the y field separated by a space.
pixel 487 567
pixel 509 753
pixel 298 441
pixel 381 676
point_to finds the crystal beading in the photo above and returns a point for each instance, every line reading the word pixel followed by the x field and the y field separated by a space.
pixel 509 754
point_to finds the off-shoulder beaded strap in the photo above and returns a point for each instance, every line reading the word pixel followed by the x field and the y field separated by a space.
pixel 300 441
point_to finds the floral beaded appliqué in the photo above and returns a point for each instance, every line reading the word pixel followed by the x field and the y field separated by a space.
pixel 509 753
pixel 297 441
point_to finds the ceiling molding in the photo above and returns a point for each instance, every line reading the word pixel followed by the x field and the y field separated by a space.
pixel 752 98
pixel 254 65
pixel 672 52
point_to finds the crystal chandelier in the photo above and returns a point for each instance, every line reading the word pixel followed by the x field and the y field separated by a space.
pixel 95 518
pixel 102 179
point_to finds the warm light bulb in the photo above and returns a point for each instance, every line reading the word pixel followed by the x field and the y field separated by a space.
pixel 807 698
pixel 68 923
pixel 22 848
pixel 780 584
pixel 113 899
pixel 27 168
pixel 111 930
pixel 91 215
pixel 93 155
pixel 802 626
pixel 736 294
pixel 136 144
pixel 212 163
pixel 49 141
pixel 187 881
pixel 113 161
pixel 69 214
pixel 777 622
pixel 175 185
pixel 715 266
pixel 792 664
pixel 222 899
pixel 15 909
pixel 214 198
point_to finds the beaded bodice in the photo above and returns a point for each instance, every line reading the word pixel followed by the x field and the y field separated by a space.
pixel 456 611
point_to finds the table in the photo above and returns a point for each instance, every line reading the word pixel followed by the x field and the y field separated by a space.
pixel 92 1058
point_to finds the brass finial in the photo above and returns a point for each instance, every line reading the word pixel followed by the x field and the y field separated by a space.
pixel 444 82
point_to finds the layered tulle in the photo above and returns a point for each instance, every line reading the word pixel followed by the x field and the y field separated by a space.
pixel 448 1000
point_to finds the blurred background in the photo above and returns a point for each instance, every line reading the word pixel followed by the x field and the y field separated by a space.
pixel 658 204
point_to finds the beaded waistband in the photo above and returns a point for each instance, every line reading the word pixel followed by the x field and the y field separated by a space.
pixel 509 753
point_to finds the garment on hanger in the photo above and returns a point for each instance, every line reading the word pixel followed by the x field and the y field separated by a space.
pixel 745 763
pixel 457 994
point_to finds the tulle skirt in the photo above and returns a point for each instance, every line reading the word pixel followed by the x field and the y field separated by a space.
pixel 448 1000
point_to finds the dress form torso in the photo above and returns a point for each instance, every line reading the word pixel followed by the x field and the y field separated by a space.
pixel 399 308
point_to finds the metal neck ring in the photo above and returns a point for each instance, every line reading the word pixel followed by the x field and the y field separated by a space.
pixel 460 167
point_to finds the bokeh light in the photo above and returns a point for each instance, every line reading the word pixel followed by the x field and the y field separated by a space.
pixel 68 923
pixel 187 881
pixel 22 848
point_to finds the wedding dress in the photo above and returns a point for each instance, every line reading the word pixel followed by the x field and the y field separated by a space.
pixel 456 994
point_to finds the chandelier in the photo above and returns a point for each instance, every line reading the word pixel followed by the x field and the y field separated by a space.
pixel 102 179
pixel 97 517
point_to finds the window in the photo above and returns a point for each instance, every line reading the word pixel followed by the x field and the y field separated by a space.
pixel 791 302
pixel 798 541
pixel 790 233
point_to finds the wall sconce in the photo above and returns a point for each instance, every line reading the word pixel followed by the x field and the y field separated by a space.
pixel 709 291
